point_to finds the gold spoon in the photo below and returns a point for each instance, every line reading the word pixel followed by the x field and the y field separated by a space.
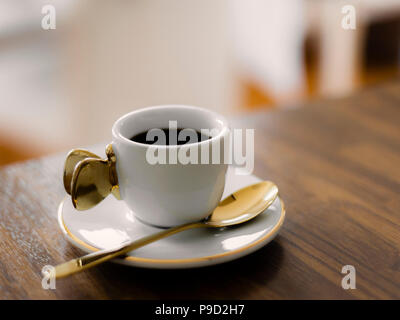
pixel 239 207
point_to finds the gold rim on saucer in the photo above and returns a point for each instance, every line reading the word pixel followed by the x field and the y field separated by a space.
pixel 82 243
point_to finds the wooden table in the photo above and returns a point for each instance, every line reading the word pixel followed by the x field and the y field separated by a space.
pixel 337 164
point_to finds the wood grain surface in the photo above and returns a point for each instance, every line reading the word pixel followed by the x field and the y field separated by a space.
pixel 337 164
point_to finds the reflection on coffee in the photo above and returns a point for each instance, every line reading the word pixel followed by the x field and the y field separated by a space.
pixel 170 137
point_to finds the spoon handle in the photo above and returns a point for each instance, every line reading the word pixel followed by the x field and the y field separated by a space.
pixel 95 258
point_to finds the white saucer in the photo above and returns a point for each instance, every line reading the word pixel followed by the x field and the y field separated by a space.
pixel 111 222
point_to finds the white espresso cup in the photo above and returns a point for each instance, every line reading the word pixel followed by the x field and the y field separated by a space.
pixel 170 193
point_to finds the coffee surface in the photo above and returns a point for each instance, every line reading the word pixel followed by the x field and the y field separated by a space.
pixel 170 137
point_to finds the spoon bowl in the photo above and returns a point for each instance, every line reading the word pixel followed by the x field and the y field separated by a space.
pixel 243 205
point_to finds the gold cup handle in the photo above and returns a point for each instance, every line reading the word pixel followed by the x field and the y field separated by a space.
pixel 89 179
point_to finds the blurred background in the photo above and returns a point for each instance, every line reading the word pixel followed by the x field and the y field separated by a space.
pixel 64 88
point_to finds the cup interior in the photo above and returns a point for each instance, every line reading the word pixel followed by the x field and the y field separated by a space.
pixel 148 118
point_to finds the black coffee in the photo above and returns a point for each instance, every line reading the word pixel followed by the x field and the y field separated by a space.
pixel 170 137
